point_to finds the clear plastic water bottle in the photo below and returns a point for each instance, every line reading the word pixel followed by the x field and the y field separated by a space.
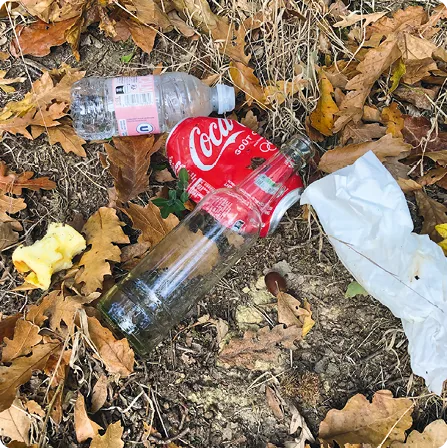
pixel 177 273
pixel 107 107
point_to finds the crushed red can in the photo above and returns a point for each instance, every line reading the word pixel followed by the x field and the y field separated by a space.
pixel 220 153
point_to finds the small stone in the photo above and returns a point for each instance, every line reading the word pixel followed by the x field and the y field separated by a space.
pixel 320 366
pixel 209 415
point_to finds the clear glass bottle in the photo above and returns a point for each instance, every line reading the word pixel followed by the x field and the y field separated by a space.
pixel 158 293
pixel 107 107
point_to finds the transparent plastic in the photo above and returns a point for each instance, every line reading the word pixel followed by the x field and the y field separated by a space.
pixel 177 96
pixel 158 293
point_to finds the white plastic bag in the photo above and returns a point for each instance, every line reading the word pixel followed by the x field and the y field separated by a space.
pixel 365 215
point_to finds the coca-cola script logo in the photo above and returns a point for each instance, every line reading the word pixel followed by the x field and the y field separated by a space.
pixel 207 147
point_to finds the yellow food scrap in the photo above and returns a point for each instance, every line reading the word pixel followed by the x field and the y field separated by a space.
pixel 51 254
pixel 442 230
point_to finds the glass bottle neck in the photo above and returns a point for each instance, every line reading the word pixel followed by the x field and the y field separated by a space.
pixel 266 182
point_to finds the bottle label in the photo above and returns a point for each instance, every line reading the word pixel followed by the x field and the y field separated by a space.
pixel 134 99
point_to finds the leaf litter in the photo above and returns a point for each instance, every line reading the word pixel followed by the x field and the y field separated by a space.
pixel 399 55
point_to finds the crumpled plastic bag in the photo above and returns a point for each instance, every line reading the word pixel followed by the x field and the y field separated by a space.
pixel 366 218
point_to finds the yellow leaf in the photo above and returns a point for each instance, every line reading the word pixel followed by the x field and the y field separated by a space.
pixel 322 118
pixel 399 71
pixel 380 422
pixel 244 78
pixel 102 230
pixel 111 439
pixel 84 427
pixel 393 119
pixel 442 230
pixel 116 354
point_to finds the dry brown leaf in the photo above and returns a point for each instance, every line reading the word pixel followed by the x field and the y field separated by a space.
pixel 7 235
pixel 7 326
pixel 181 25
pixel 20 371
pixel 15 423
pixel 11 205
pixel 360 132
pixel 143 35
pixel 5 83
pixel 322 118
pixel 432 176
pixel 99 395
pixel 37 38
pixel 433 213
pixel 408 19
pixel 164 176
pixel 149 221
pixel 281 90
pixel 56 410
pixel 376 61
pixel 380 422
pixel 408 185
pixel 111 439
pixel 205 255
pixel 394 120
pixel 418 96
pixel 151 12
pixel 251 121
pixel 11 182
pixel 274 403
pixel 84 427
pixel 102 230
pixel 57 367
pixel 51 11
pixel 353 18
pixel 129 163
pixel 371 114
pixel 244 79
pixel 117 356
pixel 68 139
pixel 343 156
pixel 433 436
pixel 260 350
pixel 4 55
pixel 419 132
pixel 26 336
pixel 35 408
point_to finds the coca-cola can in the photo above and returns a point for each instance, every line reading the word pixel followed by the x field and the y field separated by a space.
pixel 220 153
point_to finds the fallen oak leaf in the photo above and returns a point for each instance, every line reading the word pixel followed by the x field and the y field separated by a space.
pixel 117 355
pixel 5 82
pixel 21 370
pixel 251 121
pixel 290 312
pixel 425 138
pixel 420 97
pixel 432 176
pixel 7 236
pixel 37 38
pixel 111 439
pixel 408 185
pixel 393 119
pixel 340 157
pixel 11 205
pixel 57 367
pixel 322 118
pixel 245 79
pixel 432 212
pixel 7 326
pixel 50 11
pixel 34 408
pixel 434 435
pixel 84 427
pixel 353 18
pixel 129 164
pixel 143 35
pixel 274 403
pixel 361 132
pixel 26 336
pixel 149 221
pixel 15 423
pixel 380 422
pixel 260 350
pixel 11 182
pixel 68 139
pixel 103 230
pixel 376 61
pixel 281 90
pixel 164 176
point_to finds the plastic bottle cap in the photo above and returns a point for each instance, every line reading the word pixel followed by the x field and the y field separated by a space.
pixel 226 98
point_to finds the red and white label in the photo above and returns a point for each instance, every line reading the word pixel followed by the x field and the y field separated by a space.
pixel 220 153
pixel 134 100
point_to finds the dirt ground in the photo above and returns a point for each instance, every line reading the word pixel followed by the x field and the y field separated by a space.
pixel 356 346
